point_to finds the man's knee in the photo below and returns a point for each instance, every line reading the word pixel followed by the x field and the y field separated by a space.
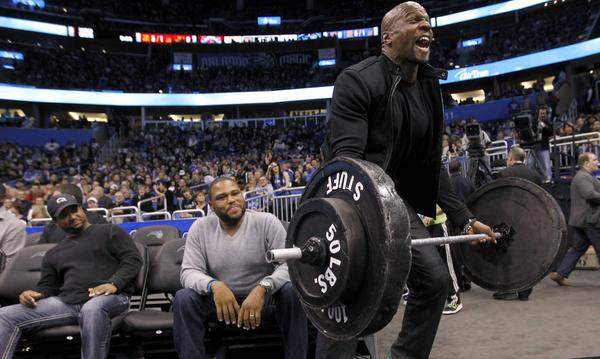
pixel 437 284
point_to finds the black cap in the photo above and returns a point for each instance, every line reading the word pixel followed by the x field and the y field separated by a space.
pixel 56 204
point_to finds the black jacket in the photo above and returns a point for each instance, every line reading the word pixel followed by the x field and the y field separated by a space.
pixel 365 122
pixel 103 253
pixel 521 171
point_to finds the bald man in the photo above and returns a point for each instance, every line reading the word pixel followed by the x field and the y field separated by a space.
pixel 388 110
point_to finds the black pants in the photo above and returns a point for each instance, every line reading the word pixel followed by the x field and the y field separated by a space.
pixel 428 285
pixel 191 310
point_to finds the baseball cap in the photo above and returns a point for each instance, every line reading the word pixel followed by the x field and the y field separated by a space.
pixel 56 204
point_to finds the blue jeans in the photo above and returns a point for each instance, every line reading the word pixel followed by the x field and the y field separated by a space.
pixel 191 310
pixel 583 238
pixel 92 316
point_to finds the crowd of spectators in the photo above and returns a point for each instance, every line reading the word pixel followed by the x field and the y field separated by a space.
pixel 51 66
pixel 177 163
pixel 179 12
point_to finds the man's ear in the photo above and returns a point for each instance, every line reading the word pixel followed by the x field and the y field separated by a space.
pixel 386 39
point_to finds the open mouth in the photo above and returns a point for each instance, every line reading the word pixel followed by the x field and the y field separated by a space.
pixel 423 42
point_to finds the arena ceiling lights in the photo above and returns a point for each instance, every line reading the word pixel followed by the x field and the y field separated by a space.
pixel 484 11
pixel 30 94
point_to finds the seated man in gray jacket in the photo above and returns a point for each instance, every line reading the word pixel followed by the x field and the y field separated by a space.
pixel 224 272
pixel 584 217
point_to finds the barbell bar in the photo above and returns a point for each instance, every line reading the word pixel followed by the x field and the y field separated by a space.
pixel 287 254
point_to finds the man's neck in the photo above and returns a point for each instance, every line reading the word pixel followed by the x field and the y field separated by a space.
pixel 409 69
pixel 231 228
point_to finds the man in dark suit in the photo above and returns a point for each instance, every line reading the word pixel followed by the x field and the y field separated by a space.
pixel 517 168
pixel 584 217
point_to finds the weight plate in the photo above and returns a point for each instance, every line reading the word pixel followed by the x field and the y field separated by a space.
pixel 539 235
pixel 366 188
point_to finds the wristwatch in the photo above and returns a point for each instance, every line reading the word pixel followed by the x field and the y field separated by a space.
pixel 267 284
pixel 469 225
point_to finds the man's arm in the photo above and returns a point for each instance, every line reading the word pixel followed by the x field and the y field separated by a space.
pixel 457 211
pixel 194 272
pixel 585 188
pixel 14 238
pixel 348 116
pixel 49 283
pixel 130 262
pixel 276 240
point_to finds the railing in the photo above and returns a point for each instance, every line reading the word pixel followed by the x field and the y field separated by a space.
pixel 498 153
pixel 191 212
pixel 258 200
pixel 104 212
pixel 152 216
pixel 39 222
pixel 286 201
pixel 569 147
pixel 117 215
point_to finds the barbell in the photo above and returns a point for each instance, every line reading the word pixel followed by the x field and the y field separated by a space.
pixel 348 245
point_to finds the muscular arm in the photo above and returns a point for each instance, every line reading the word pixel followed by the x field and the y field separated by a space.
pixel 348 116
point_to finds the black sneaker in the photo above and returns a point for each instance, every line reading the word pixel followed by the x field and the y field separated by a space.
pixel 506 296
pixel 453 306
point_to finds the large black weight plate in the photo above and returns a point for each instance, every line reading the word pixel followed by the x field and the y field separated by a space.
pixel 539 238
pixel 384 218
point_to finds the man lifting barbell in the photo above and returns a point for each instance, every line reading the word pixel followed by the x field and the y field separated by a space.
pixel 349 246
pixel 388 110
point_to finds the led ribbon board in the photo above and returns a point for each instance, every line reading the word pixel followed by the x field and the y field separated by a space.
pixel 30 94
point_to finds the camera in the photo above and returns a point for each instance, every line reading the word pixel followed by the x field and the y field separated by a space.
pixel 526 129
pixel 473 132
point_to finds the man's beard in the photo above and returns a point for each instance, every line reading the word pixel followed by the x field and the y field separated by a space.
pixel 229 220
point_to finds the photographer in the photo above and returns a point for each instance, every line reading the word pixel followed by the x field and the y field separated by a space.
pixel 545 131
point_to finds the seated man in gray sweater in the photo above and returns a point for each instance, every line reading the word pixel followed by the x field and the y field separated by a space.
pixel 224 272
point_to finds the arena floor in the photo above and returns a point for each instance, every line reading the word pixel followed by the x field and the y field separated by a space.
pixel 556 322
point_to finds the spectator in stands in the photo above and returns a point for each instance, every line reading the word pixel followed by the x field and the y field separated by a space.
pixel 545 131
pixel 38 210
pixel 277 178
pixel 12 230
pixel 298 179
pixel 163 189
pixel 53 233
pixel 69 293
pixel 264 186
pixel 92 203
pixel 52 146
pixel 200 200
pixel 584 217
pixel 143 195
pixel 309 172
pixel 103 200
pixel 224 265
pixel 517 168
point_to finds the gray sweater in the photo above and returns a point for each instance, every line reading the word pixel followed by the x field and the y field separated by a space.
pixel 238 261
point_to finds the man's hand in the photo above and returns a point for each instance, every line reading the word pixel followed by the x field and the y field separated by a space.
pixel 28 297
pixel 105 289
pixel 480 228
pixel 249 316
pixel 227 305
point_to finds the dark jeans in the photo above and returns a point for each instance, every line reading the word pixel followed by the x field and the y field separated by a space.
pixel 92 316
pixel 428 285
pixel 191 311
pixel 582 239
